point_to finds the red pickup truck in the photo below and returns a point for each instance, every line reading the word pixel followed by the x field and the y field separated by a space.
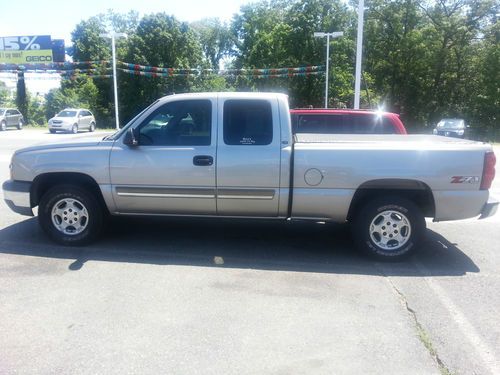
pixel 345 121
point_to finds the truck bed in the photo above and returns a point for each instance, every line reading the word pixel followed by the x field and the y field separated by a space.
pixel 330 168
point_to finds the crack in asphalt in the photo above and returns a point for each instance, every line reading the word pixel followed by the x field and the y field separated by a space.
pixel 422 334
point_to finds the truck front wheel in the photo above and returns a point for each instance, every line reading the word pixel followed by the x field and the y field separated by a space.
pixel 388 228
pixel 70 215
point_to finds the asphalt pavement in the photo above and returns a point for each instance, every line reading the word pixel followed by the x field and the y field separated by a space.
pixel 194 296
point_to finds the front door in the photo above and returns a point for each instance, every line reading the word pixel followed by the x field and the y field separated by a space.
pixel 172 170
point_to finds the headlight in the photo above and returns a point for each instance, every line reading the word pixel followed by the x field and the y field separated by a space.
pixel 460 132
pixel 434 131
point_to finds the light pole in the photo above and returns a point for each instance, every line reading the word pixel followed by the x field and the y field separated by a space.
pixel 113 35
pixel 333 35
pixel 359 53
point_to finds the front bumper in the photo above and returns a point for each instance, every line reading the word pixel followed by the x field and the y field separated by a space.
pixel 489 208
pixel 65 127
pixel 17 196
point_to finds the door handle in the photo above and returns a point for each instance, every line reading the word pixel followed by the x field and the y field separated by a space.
pixel 203 160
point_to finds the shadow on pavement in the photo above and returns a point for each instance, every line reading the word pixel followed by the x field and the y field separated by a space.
pixel 291 246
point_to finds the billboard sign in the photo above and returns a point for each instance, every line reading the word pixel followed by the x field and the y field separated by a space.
pixel 27 49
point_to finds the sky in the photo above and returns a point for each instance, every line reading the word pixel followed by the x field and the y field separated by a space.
pixel 58 18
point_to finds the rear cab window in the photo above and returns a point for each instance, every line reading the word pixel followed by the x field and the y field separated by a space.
pixel 247 123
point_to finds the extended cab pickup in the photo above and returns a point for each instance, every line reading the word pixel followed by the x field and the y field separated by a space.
pixel 233 155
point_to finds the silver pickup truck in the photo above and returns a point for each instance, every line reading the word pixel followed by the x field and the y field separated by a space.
pixel 234 155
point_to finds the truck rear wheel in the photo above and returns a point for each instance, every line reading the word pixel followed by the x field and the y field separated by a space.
pixel 388 228
pixel 70 215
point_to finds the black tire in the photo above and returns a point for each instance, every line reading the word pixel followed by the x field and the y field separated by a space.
pixel 3 126
pixel 74 129
pixel 20 125
pixel 91 127
pixel 52 131
pixel 94 223
pixel 402 214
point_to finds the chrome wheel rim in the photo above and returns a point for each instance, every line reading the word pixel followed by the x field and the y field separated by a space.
pixel 390 230
pixel 74 130
pixel 70 216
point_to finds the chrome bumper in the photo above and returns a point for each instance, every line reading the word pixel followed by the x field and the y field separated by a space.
pixel 489 208
pixel 17 196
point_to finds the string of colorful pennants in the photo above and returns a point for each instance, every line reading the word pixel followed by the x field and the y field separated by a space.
pixel 101 69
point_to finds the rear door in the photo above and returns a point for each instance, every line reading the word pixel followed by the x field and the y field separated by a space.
pixel 248 157
pixel 83 120
pixel 10 118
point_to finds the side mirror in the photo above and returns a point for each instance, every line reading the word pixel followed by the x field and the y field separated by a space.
pixel 129 138
pixel 467 126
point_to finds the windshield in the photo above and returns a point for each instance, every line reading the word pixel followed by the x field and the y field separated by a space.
pixel 66 114
pixel 454 124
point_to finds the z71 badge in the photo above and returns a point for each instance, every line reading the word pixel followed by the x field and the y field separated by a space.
pixel 465 180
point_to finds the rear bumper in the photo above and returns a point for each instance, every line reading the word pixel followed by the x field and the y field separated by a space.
pixel 489 208
pixel 17 196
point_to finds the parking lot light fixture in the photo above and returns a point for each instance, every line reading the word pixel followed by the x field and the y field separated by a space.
pixel 320 34
pixel 113 35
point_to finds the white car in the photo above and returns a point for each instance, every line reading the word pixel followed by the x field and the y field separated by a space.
pixel 72 120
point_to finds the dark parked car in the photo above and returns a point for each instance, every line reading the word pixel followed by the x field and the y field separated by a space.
pixel 345 121
pixel 452 127
pixel 10 117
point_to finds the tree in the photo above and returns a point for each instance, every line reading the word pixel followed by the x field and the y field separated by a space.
pixel 88 45
pixel 280 34
pixel 163 41
pixel 215 38
pixel 397 57
pixel 21 97
pixel 4 95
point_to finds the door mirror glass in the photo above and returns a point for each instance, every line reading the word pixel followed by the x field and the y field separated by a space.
pixel 129 139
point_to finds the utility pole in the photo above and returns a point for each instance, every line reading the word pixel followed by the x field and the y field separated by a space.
pixel 113 35
pixel 359 53
pixel 333 35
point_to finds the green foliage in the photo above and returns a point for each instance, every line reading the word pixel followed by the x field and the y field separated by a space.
pixel 280 34
pixel 215 38
pixel 159 40
pixel 426 60
pixel 5 100
pixel 36 110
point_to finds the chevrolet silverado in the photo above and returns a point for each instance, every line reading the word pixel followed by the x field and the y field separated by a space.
pixel 234 155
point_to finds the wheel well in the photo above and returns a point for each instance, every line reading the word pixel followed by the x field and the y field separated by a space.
pixel 44 182
pixel 415 191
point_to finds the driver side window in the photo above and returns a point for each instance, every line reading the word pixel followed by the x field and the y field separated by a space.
pixel 181 123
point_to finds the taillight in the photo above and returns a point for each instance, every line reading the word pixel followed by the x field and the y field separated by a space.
pixel 488 170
